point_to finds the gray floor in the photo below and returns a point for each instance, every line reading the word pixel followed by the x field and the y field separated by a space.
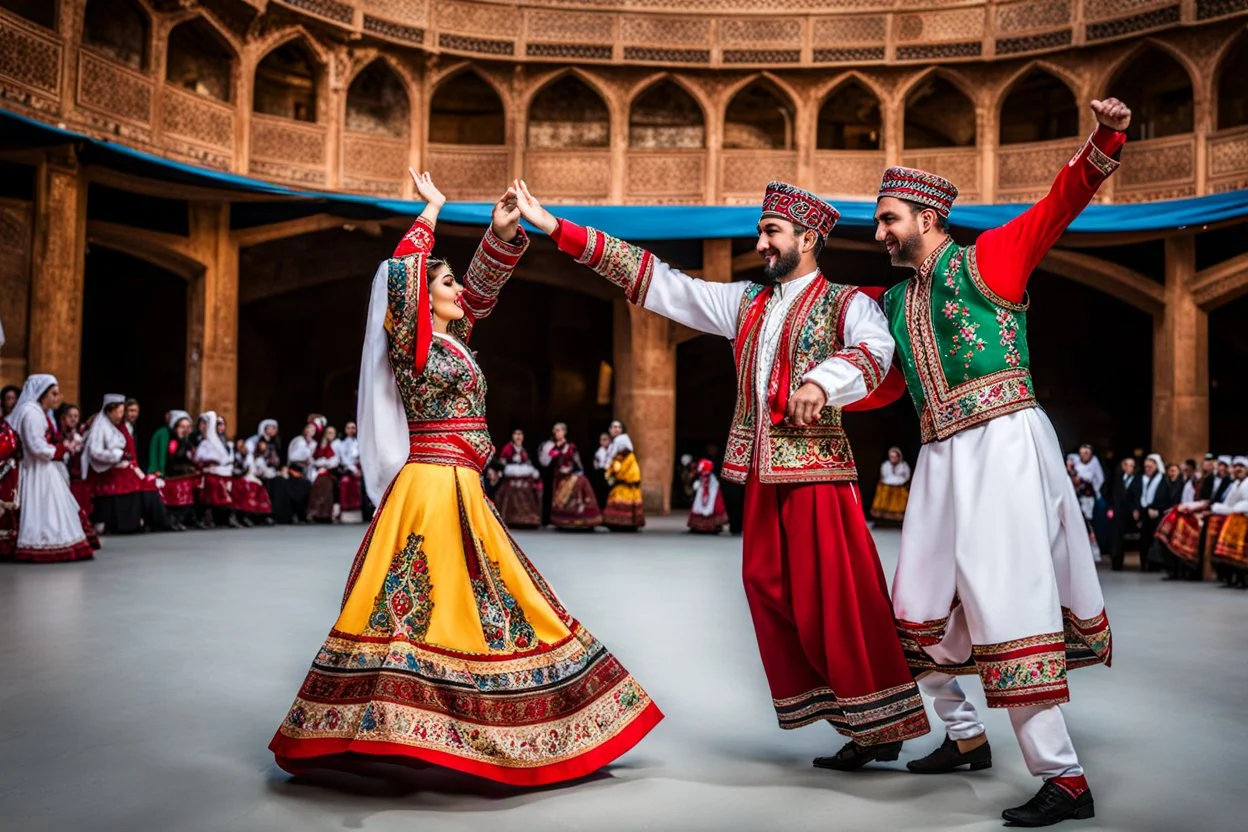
pixel 139 692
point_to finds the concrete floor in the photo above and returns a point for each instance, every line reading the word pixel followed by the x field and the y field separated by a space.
pixel 139 692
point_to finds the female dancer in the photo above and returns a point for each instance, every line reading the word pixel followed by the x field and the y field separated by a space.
pixel 450 648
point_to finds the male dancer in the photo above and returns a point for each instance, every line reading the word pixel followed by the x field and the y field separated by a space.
pixel 805 348
pixel 995 575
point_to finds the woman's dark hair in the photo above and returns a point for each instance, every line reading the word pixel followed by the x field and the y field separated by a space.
pixel 65 408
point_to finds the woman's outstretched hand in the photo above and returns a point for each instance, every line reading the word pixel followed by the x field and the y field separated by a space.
pixel 425 188
pixel 506 217
pixel 531 209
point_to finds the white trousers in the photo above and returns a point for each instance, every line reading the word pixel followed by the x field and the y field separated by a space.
pixel 1041 729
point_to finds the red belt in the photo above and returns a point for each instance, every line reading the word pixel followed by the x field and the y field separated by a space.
pixel 442 442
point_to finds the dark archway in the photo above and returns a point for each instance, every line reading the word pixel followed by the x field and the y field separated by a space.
pixel 666 116
pixel 133 337
pixel 377 102
pixel 1040 107
pixel 568 113
pixel 42 12
pixel 938 114
pixel 119 29
pixel 850 119
pixel 1228 384
pixel 199 60
pixel 759 117
pixel 1232 85
pixel 467 110
pixel 286 83
pixel 1160 93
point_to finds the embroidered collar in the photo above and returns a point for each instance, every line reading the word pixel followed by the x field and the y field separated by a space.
pixel 925 271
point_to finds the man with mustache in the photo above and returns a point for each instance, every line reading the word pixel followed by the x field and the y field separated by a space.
pixel 995 575
pixel 805 348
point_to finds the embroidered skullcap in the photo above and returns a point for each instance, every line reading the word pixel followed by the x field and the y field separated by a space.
pixel 1225 459
pixel 1240 460
pixel 920 187
pixel 799 207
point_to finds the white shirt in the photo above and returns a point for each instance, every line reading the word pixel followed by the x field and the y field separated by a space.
pixel 602 458
pixel 898 474
pixel 1235 501
pixel 1149 489
pixel 712 308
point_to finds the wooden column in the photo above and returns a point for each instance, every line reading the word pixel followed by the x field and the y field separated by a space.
pixel 645 397
pixel 16 230
pixel 212 317
pixel 1181 361
pixel 57 265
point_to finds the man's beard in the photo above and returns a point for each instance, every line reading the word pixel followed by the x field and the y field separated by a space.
pixel 784 265
pixel 907 253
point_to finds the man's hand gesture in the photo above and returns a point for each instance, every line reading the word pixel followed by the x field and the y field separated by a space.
pixel 1112 113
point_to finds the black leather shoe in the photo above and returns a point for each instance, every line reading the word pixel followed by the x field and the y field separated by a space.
pixel 853 756
pixel 1052 804
pixel 948 758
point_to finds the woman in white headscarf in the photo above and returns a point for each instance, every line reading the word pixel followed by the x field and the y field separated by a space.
pixel 52 527
pixel 216 462
pixel 1154 502
pixel 125 499
pixel 892 493
pixel 450 648
pixel 624 511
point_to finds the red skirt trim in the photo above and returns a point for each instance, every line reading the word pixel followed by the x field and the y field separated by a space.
pixel 296 756
pixel 179 492
pixel 250 497
pixel 82 550
pixel 216 491
pixel 349 495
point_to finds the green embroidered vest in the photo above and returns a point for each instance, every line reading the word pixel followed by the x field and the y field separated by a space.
pixel 963 348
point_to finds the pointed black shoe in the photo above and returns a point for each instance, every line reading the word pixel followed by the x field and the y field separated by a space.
pixel 948 758
pixel 1052 804
pixel 853 756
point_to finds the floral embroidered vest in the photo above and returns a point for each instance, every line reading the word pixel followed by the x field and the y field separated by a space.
pixel 782 452
pixel 962 347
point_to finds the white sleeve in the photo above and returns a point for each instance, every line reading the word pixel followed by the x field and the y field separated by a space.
pixel 98 451
pixel 543 452
pixel 703 305
pixel 1221 508
pixel 34 438
pixel 866 328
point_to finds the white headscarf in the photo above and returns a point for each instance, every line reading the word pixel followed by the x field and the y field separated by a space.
pixel 621 444
pixel 176 416
pixel 1090 471
pixel 380 418
pixel 102 434
pixel 253 440
pixel 219 457
pixel 33 389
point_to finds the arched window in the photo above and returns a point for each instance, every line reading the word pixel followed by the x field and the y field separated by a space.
pixel 42 12
pixel 377 102
pixel 286 82
pixel 666 116
pixel 199 60
pixel 1159 92
pixel 938 114
pixel 568 113
pixel 850 119
pixel 759 117
pixel 1233 85
pixel 1039 108
pixel 467 110
pixel 118 28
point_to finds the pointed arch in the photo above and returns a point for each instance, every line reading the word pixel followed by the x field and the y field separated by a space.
pixel 568 111
pixel 377 101
pixel 1159 85
pixel 939 112
pixel 200 59
pixel 288 80
pixel 121 29
pixel 1230 87
pixel 1036 106
pixel 760 115
pixel 42 12
pixel 665 114
pixel 467 108
pixel 850 117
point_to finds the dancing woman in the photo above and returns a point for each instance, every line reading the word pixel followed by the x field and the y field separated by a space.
pixel 450 648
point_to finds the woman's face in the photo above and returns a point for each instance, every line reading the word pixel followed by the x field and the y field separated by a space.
pixel 604 440
pixel 309 430
pixel 182 428
pixel 270 431
pixel 517 438
pixel 132 413
pixel 9 401
pixel 894 457
pixel 51 399
pixel 560 432
pixel 240 446
pixel 1150 468
pixel 444 295
pixel 615 430
pixel 115 413
pixel 349 430
pixel 1172 472
pixel 331 433
pixel 1085 454
pixel 203 427
pixel 221 427
pixel 71 418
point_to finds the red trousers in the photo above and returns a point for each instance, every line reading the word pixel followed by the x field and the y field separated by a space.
pixel 822 614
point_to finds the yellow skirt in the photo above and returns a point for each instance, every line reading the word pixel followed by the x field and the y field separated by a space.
pixel 890 502
pixel 451 649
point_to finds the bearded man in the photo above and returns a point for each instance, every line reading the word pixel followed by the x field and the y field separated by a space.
pixel 995 575
pixel 805 348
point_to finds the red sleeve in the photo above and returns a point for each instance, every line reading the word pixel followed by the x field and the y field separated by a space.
pixel 417 240
pixel 60 452
pixel 1007 255
pixel 571 238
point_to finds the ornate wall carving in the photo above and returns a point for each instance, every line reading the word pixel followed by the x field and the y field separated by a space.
pixel 851 172
pixel 583 175
pixel 113 89
pixel 1228 159
pixel 30 57
pixel 288 150
pixel 466 172
pixel 1030 168
pixel 195 117
pixel 744 174
pixel 959 165
pixel 666 173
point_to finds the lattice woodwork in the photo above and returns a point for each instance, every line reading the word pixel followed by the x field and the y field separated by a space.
pixel 865 29
pixel 959 165
pixel 1033 43
pixel 391 188
pixel 388 29
pixel 482 46
pixel 30 58
pixel 853 173
pixel 760 30
pixel 370 157
pixel 746 172
pixel 197 153
pixel 114 89
pixel 328 9
pixel 470 172
pixel 569 26
pixel 1137 23
pixel 929 27
pixel 848 54
pixel 16 227
pixel 1209 9
pixel 1228 154
pixel 1172 159
pixel 927 52
pixel 282 172
pixel 665 174
pixel 1110 9
pixel 669 56
pixel 762 56
pixel 287 141
pixel 1032 165
pixel 408 12
pixel 587 172
pixel 196 117
pixel 476 18
pixel 1028 16
pixel 1155 194
pixel 569 51
pixel 665 31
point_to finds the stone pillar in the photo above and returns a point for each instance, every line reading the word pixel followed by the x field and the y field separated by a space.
pixel 645 397
pixel 15 235
pixel 212 319
pixel 57 268
pixel 1181 361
